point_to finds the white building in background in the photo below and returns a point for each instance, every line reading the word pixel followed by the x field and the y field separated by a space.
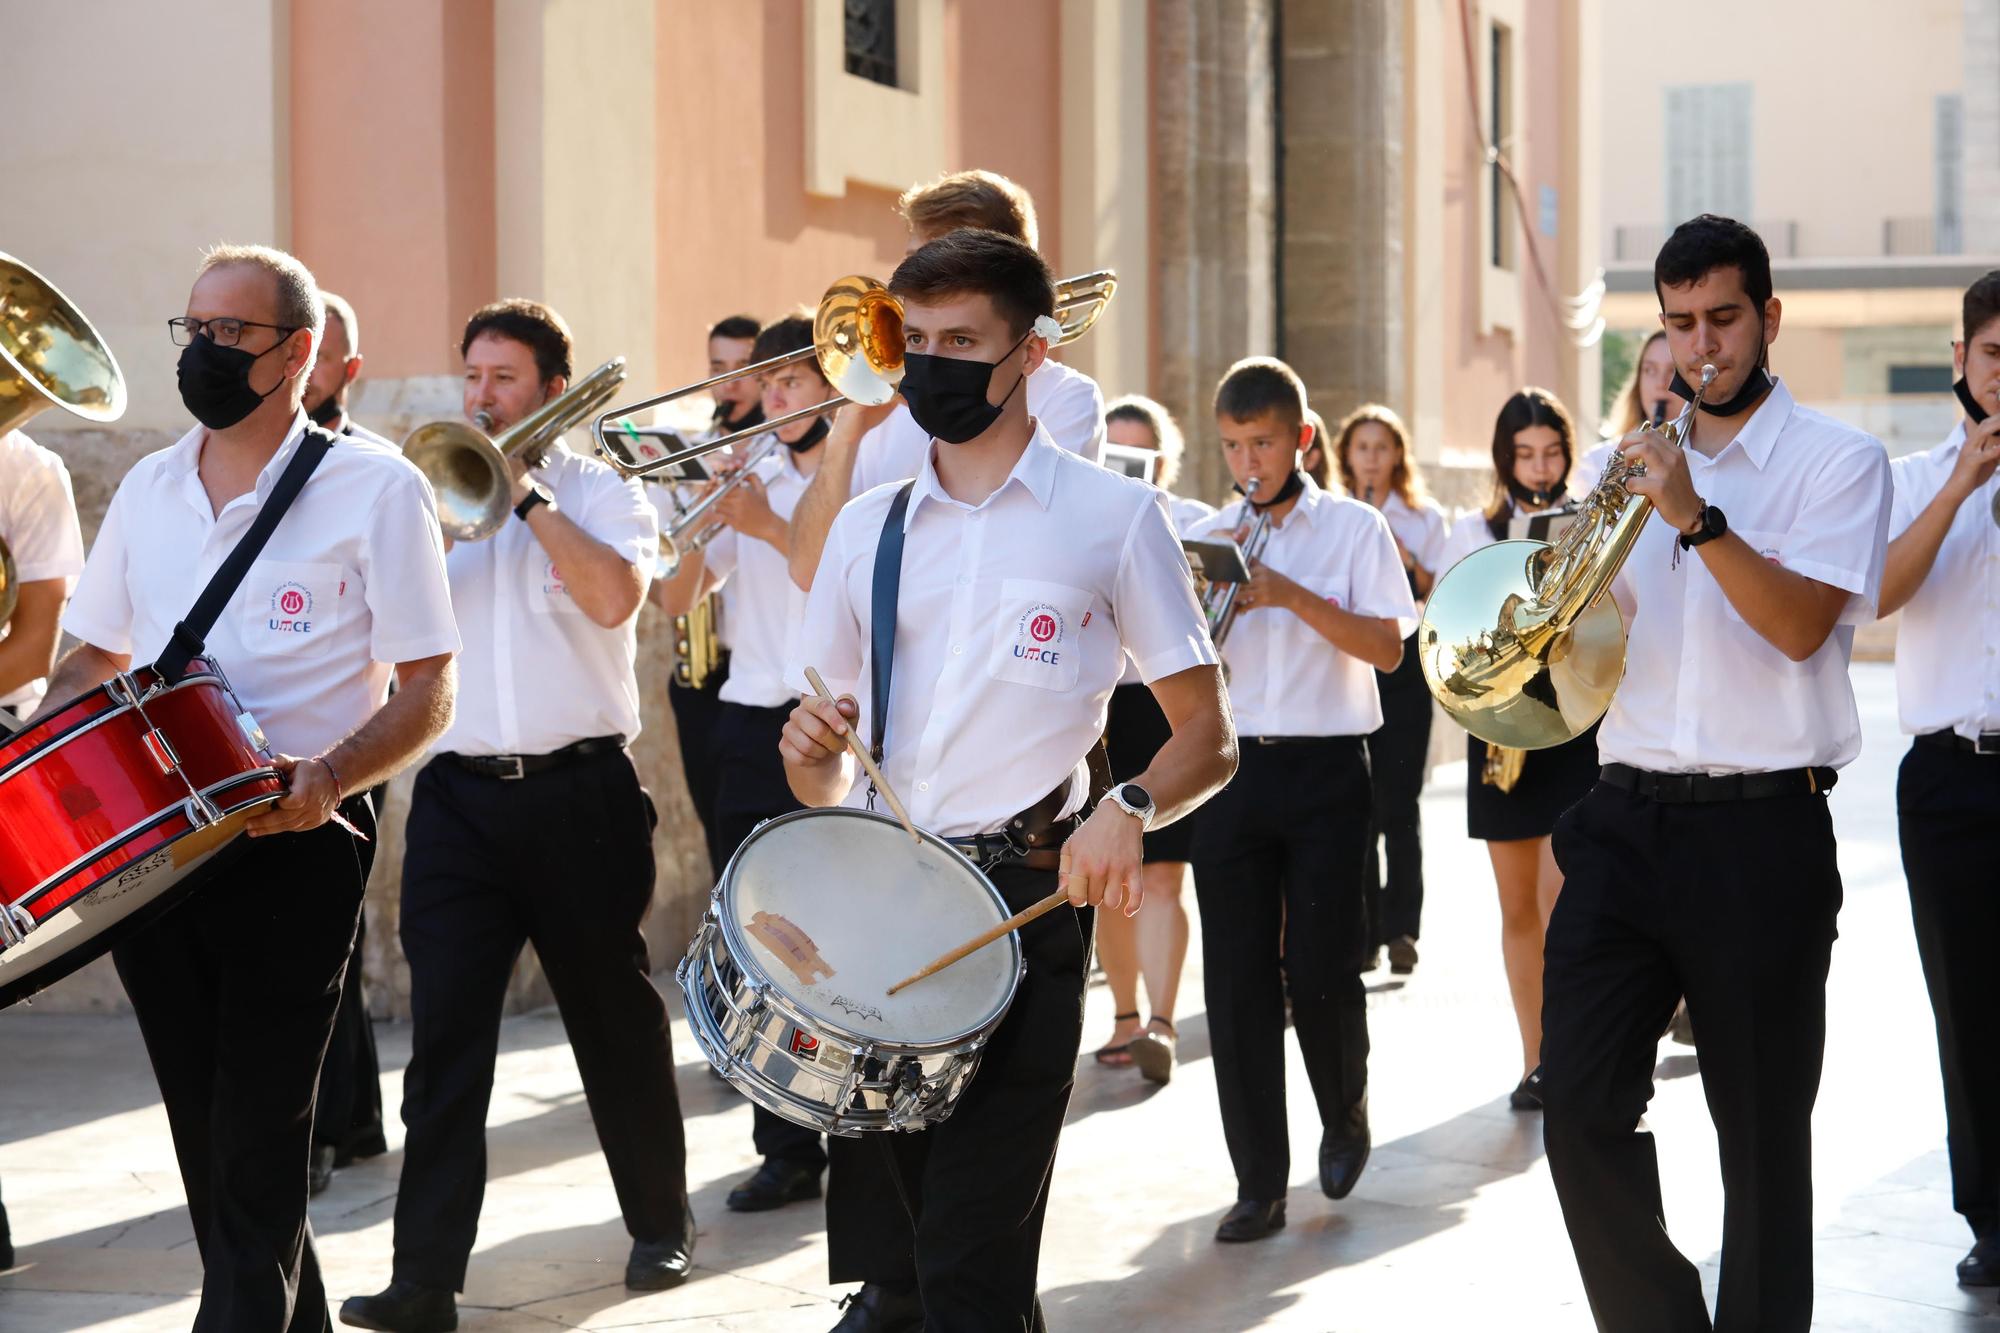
pixel 1862 141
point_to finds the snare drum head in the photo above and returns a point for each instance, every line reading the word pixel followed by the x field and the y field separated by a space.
pixel 832 907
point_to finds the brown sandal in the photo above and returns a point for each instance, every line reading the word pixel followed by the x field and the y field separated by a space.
pixel 1154 1051
pixel 1118 1055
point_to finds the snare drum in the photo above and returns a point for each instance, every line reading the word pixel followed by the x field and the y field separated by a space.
pixel 109 805
pixel 817 915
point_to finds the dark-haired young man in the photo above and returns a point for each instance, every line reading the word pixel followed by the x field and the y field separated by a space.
pixel 1024 578
pixel 1941 571
pixel 1279 854
pixel 748 559
pixel 529 824
pixel 1702 863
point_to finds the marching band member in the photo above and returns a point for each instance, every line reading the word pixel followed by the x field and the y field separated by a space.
pixel 1647 396
pixel 1314 461
pixel 869 446
pixel 235 990
pixel 1513 798
pixel 1154 942
pixel 1004 542
pixel 731 345
pixel 529 825
pixel 347 1116
pixel 1702 863
pixel 1940 573
pixel 1278 855
pixel 38 525
pixel 1372 451
pixel 748 558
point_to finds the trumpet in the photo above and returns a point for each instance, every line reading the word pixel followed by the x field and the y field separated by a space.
pixel 471 469
pixel 674 541
pixel 1220 604
pixel 858 342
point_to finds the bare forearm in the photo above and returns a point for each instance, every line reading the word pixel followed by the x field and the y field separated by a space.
pixel 603 584
pixel 1913 553
pixel 1369 638
pixel 678 595
pixel 1789 611
pixel 24 658
pixel 1196 762
pixel 820 785
pixel 401 729
pixel 824 496
pixel 84 667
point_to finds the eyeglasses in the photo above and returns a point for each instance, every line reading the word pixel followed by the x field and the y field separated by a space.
pixel 223 332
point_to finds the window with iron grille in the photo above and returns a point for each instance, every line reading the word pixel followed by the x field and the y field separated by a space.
pixel 871 40
pixel 1708 151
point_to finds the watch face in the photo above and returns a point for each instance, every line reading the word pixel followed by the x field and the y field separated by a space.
pixel 1136 796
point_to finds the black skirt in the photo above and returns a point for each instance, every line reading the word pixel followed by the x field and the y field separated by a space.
pixel 1133 735
pixel 1552 780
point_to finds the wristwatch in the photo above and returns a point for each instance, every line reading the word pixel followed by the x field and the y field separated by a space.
pixel 1713 524
pixel 1134 800
pixel 538 494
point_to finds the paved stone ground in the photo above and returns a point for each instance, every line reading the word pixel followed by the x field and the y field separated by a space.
pixel 1454 1226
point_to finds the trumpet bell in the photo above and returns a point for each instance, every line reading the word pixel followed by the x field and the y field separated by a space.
pixel 1507 677
pixel 50 356
pixel 1080 300
pixel 858 337
pixel 469 476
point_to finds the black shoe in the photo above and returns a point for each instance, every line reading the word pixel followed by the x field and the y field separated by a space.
pixel 659 1265
pixel 1250 1220
pixel 1402 956
pixel 1981 1268
pixel 1343 1151
pixel 1527 1096
pixel 319 1171
pixel 405 1307
pixel 6 1241
pixel 881 1308
pixel 775 1184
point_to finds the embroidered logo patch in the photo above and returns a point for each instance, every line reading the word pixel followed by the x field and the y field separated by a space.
pixel 1040 629
pixel 291 609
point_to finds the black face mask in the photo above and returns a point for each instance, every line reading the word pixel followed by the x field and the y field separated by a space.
pixel 1293 485
pixel 947 394
pixel 1535 499
pixel 1755 383
pixel 810 440
pixel 215 382
pixel 753 417
pixel 328 411
pixel 1975 411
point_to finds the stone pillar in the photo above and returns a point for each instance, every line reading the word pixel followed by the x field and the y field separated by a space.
pixel 1341 256
pixel 1214 199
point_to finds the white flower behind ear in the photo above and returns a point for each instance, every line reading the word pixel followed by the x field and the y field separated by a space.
pixel 1049 328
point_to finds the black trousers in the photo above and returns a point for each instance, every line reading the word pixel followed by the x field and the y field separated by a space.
pixel 976 1187
pixel 750 788
pixel 235 992
pixel 695 715
pixel 562 859
pixel 1396 753
pixel 1949 807
pixel 348 1116
pixel 1278 858
pixel 1731 903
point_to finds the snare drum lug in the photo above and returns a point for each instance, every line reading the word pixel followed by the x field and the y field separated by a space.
pixel 15 925
pixel 200 811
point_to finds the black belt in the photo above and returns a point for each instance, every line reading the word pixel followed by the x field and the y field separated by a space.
pixel 1700 788
pixel 512 767
pixel 1987 744
pixel 1349 742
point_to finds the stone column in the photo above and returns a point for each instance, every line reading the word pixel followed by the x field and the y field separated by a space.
pixel 1341 158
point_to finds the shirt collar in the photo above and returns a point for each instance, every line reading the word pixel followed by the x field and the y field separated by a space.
pixel 1760 434
pixel 1952 442
pixel 1034 472
pixel 184 458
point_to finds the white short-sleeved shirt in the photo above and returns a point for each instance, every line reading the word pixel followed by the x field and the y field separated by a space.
pixel 1948 645
pixel 1184 514
pixel 1066 402
pixel 1014 619
pixel 1705 693
pixel 38 523
pixel 351 582
pixel 354 430
pixel 1284 678
pixel 1421 528
pixel 764 605
pixel 537 673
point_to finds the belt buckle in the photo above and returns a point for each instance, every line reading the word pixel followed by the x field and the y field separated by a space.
pixel 1674 788
pixel 502 761
pixel 1986 742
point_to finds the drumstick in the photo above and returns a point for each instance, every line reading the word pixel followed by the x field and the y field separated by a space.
pixel 984 938
pixel 861 753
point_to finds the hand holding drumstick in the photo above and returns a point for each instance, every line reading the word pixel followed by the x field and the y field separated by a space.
pixel 812 742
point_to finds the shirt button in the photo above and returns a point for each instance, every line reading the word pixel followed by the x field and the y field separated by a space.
pixel 923 786
pixel 957 648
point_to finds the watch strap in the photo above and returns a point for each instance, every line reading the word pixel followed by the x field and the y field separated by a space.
pixel 537 495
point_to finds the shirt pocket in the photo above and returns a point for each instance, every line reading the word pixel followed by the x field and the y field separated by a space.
pixel 1038 633
pixel 292 608
pixel 547 592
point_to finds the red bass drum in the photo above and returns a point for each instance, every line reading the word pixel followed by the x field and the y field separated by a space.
pixel 108 807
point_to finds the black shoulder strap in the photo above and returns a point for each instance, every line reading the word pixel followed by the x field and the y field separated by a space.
pixel 191 633
pixel 882 617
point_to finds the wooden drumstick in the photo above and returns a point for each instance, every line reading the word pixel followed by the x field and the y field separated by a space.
pixel 984 938
pixel 861 753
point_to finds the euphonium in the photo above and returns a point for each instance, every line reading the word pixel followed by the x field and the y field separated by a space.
pixel 1518 641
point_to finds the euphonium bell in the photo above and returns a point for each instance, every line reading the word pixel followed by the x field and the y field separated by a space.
pixel 1518 641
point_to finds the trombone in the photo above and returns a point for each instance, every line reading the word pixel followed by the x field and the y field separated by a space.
pixel 858 342
pixel 674 545
pixel 472 470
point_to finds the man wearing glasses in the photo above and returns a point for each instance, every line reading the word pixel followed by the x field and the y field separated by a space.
pixel 235 989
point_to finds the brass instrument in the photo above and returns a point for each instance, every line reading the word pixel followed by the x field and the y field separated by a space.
pixel 472 471
pixel 1220 603
pixel 1518 641
pixel 1503 766
pixel 858 342
pixel 674 542
pixel 50 356
pixel 697 646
